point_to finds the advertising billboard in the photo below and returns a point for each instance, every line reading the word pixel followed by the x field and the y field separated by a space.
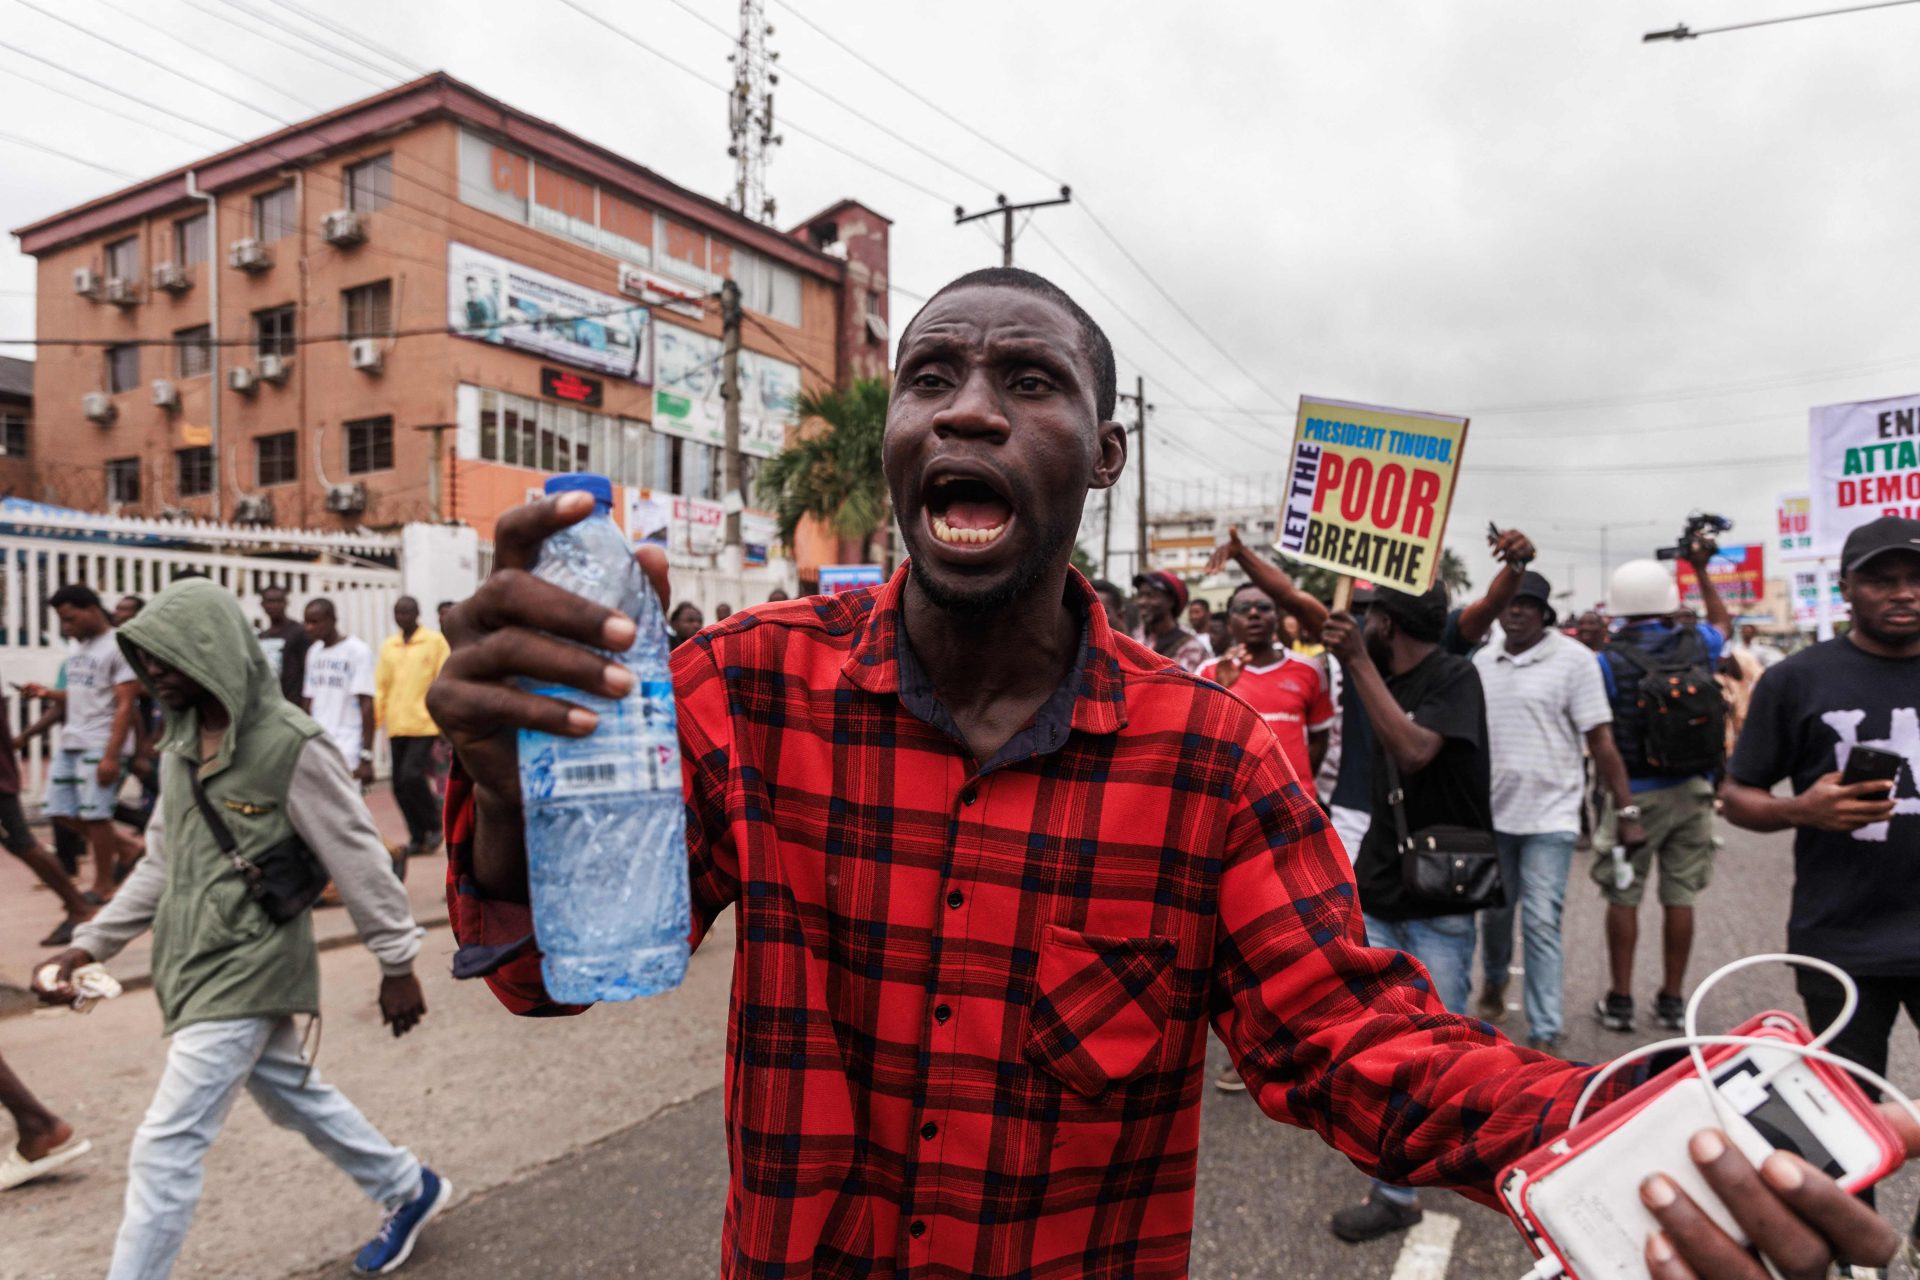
pixel 687 400
pixel 1739 574
pixel 490 299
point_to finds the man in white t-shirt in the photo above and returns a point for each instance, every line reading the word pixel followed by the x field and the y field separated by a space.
pixel 83 783
pixel 338 692
pixel 1544 695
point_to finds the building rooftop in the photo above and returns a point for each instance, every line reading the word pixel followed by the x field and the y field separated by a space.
pixel 16 378
pixel 433 96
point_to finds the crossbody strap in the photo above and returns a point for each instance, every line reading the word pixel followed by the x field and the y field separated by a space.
pixel 221 835
pixel 1396 800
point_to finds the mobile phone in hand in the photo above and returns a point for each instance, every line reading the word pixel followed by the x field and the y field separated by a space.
pixel 1871 764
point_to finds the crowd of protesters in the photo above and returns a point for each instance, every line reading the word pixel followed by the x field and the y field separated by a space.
pixel 1218 801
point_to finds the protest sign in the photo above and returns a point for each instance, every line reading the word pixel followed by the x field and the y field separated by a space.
pixel 1739 574
pixel 835 578
pixel 1863 463
pixel 1368 491
pixel 1793 526
pixel 1806 597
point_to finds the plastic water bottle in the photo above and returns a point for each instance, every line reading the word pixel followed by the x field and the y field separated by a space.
pixel 1622 869
pixel 606 825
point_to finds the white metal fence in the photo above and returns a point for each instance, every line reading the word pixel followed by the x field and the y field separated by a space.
pixel 119 557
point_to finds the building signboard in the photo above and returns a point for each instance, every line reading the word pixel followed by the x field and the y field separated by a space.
pixel 1369 489
pixel 1738 573
pixel 563 384
pixel 490 299
pixel 687 401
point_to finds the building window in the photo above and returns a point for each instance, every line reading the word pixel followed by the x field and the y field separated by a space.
pixel 544 436
pixel 13 435
pixel 369 310
pixel 274 459
pixel 273 332
pixel 123 259
pixel 369 446
pixel 193 472
pixel 370 184
pixel 123 367
pixel 766 286
pixel 190 240
pixel 123 480
pixel 273 214
pixel 192 351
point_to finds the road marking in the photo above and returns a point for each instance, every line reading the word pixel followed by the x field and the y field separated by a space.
pixel 1429 1248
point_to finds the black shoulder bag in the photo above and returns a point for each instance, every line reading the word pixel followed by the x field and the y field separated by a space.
pixel 1444 864
pixel 285 880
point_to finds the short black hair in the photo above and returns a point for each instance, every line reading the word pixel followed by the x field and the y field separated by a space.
pixel 1093 340
pixel 1104 588
pixel 76 595
pixel 1202 602
pixel 1247 586
pixel 324 605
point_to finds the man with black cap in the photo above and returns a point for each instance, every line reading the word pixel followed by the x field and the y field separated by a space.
pixel 1856 889
pixel 1544 695
pixel 1161 598
pixel 1429 717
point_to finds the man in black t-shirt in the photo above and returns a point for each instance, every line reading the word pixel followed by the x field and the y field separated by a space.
pixel 1426 708
pixel 1856 849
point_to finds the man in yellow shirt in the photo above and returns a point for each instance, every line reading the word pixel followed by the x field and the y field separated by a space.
pixel 409 662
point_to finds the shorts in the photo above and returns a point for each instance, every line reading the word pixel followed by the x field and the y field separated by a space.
pixel 14 832
pixel 1678 821
pixel 74 790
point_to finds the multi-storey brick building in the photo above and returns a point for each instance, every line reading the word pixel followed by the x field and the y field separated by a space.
pixel 415 308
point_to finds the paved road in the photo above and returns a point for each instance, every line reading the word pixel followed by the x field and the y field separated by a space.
pixel 646 1200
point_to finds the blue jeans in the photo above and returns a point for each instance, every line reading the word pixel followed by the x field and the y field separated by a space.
pixel 206 1065
pixel 1534 869
pixel 1444 945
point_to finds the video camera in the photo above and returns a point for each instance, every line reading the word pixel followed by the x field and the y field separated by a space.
pixel 1701 526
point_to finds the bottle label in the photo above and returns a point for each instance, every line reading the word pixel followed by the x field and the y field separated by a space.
pixel 636 748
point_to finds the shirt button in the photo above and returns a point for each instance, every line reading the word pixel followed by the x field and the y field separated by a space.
pixel 917 1229
pixel 941 1013
pixel 969 796
pixel 928 1129
pixel 955 898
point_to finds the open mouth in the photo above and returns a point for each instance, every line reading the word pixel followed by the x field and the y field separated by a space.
pixel 967 511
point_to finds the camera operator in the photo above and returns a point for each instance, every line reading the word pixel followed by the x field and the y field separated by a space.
pixel 1856 896
pixel 1668 758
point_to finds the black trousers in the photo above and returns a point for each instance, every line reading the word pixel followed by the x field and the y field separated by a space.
pixel 413 788
pixel 1867 1038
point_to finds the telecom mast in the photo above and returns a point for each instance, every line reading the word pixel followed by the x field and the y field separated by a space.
pixel 750 114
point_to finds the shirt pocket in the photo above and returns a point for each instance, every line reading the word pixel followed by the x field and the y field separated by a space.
pixel 1099 1008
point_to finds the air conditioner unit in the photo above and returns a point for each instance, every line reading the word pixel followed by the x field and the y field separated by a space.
pixel 343 227
pixel 274 369
pixel 86 282
pixel 98 406
pixel 171 277
pixel 249 255
pixel 122 292
pixel 165 394
pixel 254 510
pixel 364 354
pixel 346 499
pixel 241 379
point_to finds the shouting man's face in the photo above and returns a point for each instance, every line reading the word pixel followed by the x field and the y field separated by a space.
pixel 992 442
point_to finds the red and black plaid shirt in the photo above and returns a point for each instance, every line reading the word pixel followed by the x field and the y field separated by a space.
pixel 970 1004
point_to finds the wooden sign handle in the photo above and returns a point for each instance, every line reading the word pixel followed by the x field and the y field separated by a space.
pixel 1342 593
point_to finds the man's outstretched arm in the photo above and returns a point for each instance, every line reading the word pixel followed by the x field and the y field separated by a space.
pixel 1273 580
pixel 1515 552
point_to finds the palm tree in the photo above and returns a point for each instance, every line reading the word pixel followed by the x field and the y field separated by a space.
pixel 1453 574
pixel 833 475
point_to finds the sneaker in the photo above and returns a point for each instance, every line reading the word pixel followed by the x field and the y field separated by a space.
pixel 1544 1044
pixel 1229 1081
pixel 1492 1004
pixel 1670 1012
pixel 1858 1273
pixel 1372 1218
pixel 1615 1012
pixel 389 1250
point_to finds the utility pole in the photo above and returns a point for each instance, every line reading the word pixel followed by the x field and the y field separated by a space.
pixel 1006 212
pixel 1140 407
pixel 750 112
pixel 730 398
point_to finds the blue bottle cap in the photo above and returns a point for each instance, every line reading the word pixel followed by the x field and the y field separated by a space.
pixel 584 482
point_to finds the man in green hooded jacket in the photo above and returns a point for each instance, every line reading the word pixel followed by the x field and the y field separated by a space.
pixel 230 981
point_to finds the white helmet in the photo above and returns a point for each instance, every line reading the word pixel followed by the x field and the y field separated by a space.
pixel 1642 587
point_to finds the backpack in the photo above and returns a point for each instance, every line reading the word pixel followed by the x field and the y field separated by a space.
pixel 1683 713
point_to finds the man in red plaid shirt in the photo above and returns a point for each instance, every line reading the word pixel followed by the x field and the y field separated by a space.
pixel 997 869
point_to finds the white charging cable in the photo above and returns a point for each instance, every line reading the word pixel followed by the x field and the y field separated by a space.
pixel 1815 1050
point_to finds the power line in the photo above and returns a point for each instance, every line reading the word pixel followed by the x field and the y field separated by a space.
pixel 321 20
pixel 300 47
pixel 913 93
pixel 1683 32
pixel 193 48
pixel 128 116
pixel 17 140
pixel 386 75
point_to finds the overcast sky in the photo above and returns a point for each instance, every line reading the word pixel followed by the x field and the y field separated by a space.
pixel 1634 267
